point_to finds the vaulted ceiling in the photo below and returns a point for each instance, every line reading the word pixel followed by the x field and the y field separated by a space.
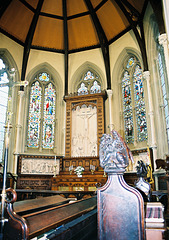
pixel 68 26
pixel 79 24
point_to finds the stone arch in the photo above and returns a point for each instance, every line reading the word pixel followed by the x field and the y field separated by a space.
pixel 152 34
pixel 81 70
pixel 46 67
pixel 118 67
pixel 117 75
pixel 9 61
pixel 59 93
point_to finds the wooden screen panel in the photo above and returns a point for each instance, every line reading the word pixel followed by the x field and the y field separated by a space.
pixel 98 99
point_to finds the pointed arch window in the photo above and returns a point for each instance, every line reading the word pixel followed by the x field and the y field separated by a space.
pixel 164 85
pixel 134 112
pixel 41 119
pixel 5 95
pixel 90 83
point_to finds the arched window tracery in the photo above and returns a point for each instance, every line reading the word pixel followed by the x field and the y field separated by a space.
pixel 3 103
pixel 90 83
pixel 164 85
pixel 41 116
pixel 134 113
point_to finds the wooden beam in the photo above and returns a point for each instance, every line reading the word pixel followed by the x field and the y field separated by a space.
pixel 140 40
pixel 65 46
pixel 157 8
pixel 131 8
pixel 29 38
pixel 11 36
pixel 144 8
pixel 103 41
pixel 78 15
pixel 3 6
pixel 51 15
pixel 27 5
pixel 100 4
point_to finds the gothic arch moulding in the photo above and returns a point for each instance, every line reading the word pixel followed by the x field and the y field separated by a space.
pixel 9 61
pixel 57 114
pixel 126 98
pixel 46 67
pixel 81 70
pixel 118 67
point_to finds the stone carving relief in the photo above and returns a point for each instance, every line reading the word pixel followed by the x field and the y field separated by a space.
pixel 84 131
pixel 39 166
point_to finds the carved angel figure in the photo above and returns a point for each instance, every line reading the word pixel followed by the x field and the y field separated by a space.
pixel 114 153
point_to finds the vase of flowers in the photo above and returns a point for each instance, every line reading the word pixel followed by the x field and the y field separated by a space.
pixel 79 170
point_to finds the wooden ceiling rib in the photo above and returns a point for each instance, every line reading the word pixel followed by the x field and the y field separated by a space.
pixel 75 7
pixel 95 3
pixel 112 24
pixel 33 3
pixel 48 33
pixel 52 7
pixel 16 20
pixel 137 4
pixel 86 34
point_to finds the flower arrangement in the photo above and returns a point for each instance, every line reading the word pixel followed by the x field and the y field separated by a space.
pixel 79 170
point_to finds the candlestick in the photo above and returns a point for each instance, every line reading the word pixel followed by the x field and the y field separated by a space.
pixel 92 168
pixel 54 168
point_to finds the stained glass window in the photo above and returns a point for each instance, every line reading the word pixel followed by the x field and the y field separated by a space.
pixel 90 83
pixel 132 85
pixel 139 104
pixel 49 117
pixel 34 115
pixel 82 90
pixel 95 88
pixel 41 122
pixel 88 76
pixel 127 108
pixel 161 64
pixel 130 62
pixel 44 77
pixel 4 92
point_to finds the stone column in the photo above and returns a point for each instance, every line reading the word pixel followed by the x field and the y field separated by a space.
pixel 110 93
pixel 166 17
pixel 153 145
pixel 19 127
pixel 163 41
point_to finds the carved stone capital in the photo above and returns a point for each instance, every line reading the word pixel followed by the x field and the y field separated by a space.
pixel 109 92
pixel 146 75
pixel 21 94
pixel 162 39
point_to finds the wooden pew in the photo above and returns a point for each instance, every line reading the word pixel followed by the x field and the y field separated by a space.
pixel 32 218
pixel 23 194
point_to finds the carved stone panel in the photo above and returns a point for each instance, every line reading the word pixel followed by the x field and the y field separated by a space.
pixel 84 124
pixel 84 131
